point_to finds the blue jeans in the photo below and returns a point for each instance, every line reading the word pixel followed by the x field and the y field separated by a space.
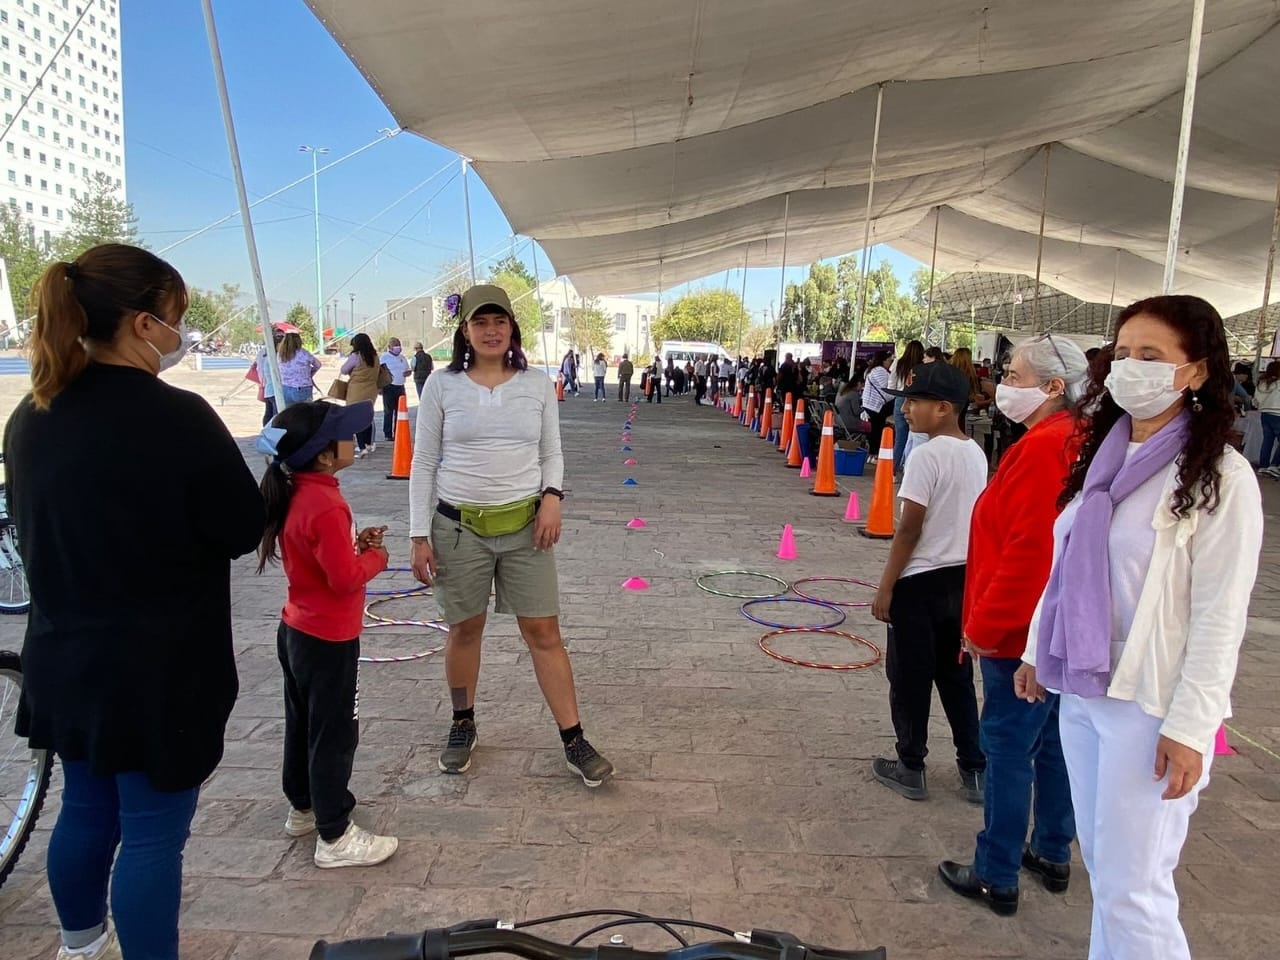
pixel 294 395
pixel 150 827
pixel 899 433
pixel 1023 750
pixel 1270 438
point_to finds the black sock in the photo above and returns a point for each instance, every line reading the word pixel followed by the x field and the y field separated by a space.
pixel 568 736
pixel 467 714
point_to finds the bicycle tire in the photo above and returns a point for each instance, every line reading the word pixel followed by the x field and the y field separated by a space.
pixel 18 832
pixel 11 562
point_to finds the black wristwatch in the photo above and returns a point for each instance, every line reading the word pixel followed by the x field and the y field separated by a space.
pixel 553 491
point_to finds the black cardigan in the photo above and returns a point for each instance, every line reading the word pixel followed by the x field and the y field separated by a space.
pixel 130 499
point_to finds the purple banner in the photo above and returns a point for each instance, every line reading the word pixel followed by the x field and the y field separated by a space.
pixel 834 349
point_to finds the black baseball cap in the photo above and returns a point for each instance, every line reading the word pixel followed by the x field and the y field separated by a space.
pixel 936 381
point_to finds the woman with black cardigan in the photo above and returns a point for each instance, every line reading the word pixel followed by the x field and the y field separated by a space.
pixel 127 535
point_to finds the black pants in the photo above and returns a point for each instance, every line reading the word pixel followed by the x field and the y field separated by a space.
pixel 923 652
pixel 624 389
pixel 321 725
pixel 878 418
pixel 268 410
pixel 365 437
pixel 390 405
pixel 699 388
pixel 419 384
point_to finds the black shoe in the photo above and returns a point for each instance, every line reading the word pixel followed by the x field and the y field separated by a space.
pixel 456 757
pixel 961 878
pixel 583 760
pixel 910 783
pixel 974 783
pixel 1054 876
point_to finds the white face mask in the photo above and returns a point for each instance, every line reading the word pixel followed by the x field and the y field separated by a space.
pixel 1019 403
pixel 174 356
pixel 1143 388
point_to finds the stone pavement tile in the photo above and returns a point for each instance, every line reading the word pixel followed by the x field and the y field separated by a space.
pixel 1228 936
pixel 732 766
pixel 1234 889
pixel 427 820
pixel 728 832
pixel 298 908
pixel 823 921
pixel 869 838
pixel 17 888
pixel 410 909
pixel 206 944
pixel 789 874
pixel 520 868
pixel 232 858
pixel 939 931
pixel 627 764
pixel 630 830
pixel 544 903
pixel 29 940
pixel 672 869
pixel 408 866
pixel 254 947
pixel 570 794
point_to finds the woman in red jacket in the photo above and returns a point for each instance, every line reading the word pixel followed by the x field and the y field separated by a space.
pixel 1010 553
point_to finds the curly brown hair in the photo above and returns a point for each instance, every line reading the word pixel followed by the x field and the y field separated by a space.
pixel 1203 337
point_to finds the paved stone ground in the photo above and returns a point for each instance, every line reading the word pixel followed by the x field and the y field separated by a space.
pixel 743 794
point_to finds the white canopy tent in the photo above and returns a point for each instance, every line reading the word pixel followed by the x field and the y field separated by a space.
pixel 645 144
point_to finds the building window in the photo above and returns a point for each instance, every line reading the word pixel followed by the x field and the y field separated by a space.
pixel 26 180
pixel 30 207
pixel 59 214
pixel 44 184
pixel 620 321
pixel 57 188
pixel 13 176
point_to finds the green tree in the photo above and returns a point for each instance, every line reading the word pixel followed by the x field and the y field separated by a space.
pixel 756 340
pixel 453 276
pixel 512 265
pixel 24 258
pixel 533 314
pixel 589 329
pixel 304 320
pixel 810 310
pixel 99 215
pixel 713 315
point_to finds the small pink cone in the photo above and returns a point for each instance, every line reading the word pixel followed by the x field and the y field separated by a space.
pixel 805 472
pixel 787 546
pixel 1221 748
pixel 630 462
pixel 852 512
pixel 636 524
pixel 635 583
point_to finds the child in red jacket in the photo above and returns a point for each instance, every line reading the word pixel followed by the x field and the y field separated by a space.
pixel 327 565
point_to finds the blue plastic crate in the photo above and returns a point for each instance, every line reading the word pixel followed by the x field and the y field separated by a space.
pixel 850 463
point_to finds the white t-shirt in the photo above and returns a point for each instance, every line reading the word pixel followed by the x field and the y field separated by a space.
pixel 726 369
pixel 945 476
pixel 398 365
pixel 1267 397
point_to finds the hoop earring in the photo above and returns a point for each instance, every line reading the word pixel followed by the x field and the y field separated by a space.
pixel 510 357
pixel 466 357
pixel 1196 405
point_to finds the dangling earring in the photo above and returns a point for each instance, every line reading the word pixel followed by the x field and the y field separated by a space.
pixel 1196 405
pixel 510 357
pixel 466 357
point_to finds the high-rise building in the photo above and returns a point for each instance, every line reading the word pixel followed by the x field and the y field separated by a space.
pixel 72 125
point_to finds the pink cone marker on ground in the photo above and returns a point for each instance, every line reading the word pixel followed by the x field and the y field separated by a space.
pixel 635 583
pixel 805 472
pixel 1221 748
pixel 787 546
pixel 852 512
pixel 630 462
pixel 636 524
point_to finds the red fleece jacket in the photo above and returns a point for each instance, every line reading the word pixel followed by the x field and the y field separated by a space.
pixel 327 573
pixel 1011 536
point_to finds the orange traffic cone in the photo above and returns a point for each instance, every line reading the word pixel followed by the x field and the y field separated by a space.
pixel 880 516
pixel 788 425
pixel 793 442
pixel 737 402
pixel 560 387
pixel 402 455
pixel 826 483
pixel 766 415
pixel 750 419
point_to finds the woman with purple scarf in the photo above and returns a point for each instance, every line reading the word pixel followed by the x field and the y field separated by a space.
pixel 1139 628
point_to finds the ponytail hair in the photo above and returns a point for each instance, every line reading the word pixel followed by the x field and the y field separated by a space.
pixel 300 422
pixel 84 301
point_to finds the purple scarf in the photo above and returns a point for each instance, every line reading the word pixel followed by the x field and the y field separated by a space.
pixel 1074 645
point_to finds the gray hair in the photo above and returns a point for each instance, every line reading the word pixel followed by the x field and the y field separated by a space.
pixel 1049 356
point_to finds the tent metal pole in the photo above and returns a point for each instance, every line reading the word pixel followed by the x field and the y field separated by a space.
pixel 782 280
pixel 1266 283
pixel 1044 210
pixel 466 202
pixel 1184 144
pixel 746 255
pixel 537 297
pixel 242 195
pixel 1111 306
pixel 568 306
pixel 866 232
pixel 933 266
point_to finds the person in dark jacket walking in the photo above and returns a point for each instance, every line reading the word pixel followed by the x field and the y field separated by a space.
pixel 422 364
pixel 127 536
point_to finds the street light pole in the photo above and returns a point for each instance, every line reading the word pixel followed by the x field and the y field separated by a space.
pixel 352 328
pixel 315 200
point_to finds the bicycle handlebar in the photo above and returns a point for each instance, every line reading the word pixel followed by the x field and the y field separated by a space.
pixel 478 937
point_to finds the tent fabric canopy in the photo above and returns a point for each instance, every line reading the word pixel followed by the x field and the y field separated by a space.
pixel 646 144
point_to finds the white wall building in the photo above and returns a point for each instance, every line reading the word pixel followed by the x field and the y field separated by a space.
pixel 73 123
pixel 631 316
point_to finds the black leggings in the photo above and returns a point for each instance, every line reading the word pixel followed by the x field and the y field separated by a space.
pixel 878 418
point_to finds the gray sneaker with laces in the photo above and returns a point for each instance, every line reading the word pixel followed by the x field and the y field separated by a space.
pixel 583 760
pixel 456 756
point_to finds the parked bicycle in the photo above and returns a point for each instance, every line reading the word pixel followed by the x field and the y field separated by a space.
pixel 482 937
pixel 14 595
pixel 24 772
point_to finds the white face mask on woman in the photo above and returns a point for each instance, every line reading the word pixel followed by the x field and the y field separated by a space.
pixel 174 356
pixel 1143 388
pixel 1019 403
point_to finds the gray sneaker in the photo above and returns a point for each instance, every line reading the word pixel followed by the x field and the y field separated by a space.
pixel 910 783
pixel 974 783
pixel 583 760
pixel 456 757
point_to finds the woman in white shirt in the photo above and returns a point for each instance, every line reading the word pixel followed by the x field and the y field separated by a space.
pixel 484 515
pixel 599 369
pixel 1267 397
pixel 876 404
pixel 1140 625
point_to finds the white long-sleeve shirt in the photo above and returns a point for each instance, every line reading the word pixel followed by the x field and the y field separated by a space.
pixel 479 446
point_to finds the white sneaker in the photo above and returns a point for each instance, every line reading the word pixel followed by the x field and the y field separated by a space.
pixel 355 848
pixel 299 823
pixel 370 448
pixel 106 947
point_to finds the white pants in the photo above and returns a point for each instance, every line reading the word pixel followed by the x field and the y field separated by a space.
pixel 1130 838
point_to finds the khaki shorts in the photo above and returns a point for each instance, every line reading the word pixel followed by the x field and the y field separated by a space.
pixel 468 566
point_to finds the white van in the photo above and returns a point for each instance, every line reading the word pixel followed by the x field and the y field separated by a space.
pixel 681 352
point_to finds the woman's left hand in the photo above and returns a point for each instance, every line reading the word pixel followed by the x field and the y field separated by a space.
pixel 1182 764
pixel 546 523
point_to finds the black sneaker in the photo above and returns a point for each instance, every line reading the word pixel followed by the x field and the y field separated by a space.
pixel 910 783
pixel 974 783
pixel 456 757
pixel 1055 876
pixel 583 760
pixel 961 878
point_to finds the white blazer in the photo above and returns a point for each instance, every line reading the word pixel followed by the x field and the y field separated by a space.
pixel 1180 656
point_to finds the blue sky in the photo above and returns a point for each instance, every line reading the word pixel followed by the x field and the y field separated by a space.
pixel 290 85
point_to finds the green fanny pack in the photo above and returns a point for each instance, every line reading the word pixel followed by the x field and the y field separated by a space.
pixel 494 520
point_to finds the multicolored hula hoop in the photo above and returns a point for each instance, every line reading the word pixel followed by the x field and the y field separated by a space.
pixel 743 596
pixel 840 614
pixel 795 587
pixel 380 621
pixel 400 591
pixel 817 664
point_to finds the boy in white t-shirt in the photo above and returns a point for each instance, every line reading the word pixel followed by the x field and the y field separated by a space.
pixel 922 587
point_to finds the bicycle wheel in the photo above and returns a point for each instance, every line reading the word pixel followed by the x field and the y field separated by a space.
pixel 24 773
pixel 15 596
